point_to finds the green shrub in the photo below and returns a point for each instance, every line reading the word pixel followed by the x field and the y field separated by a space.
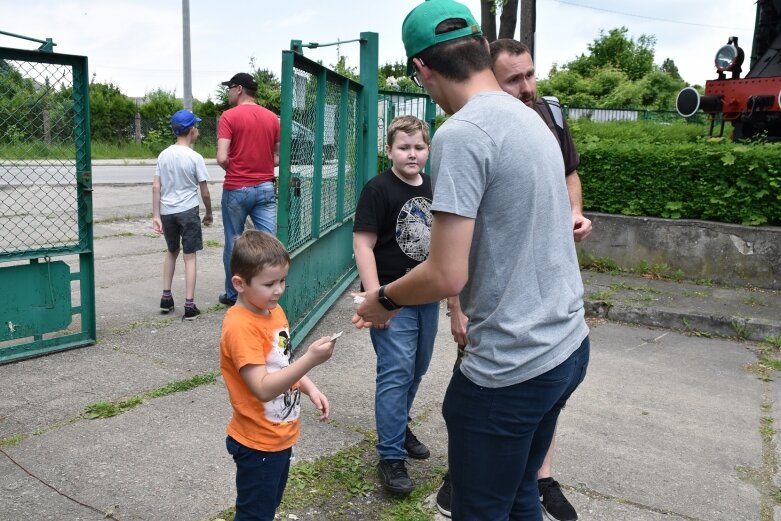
pixel 711 180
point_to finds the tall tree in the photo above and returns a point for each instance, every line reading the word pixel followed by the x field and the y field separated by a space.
pixel 111 112
pixel 670 68
pixel 618 72
pixel 159 105
pixel 615 49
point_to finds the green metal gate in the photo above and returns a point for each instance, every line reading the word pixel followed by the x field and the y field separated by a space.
pixel 328 151
pixel 47 291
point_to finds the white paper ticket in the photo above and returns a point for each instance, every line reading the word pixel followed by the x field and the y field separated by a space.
pixel 336 335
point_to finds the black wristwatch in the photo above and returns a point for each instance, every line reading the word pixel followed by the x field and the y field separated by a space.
pixel 386 302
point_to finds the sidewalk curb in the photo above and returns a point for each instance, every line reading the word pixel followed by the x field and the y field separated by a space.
pixel 718 325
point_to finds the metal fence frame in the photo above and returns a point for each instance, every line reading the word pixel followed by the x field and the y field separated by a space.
pixel 46 243
pixel 319 183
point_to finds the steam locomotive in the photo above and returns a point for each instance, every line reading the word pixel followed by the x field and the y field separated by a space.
pixel 752 103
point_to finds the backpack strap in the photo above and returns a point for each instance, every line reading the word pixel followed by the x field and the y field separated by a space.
pixel 554 108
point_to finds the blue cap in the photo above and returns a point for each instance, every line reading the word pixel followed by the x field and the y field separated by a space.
pixel 182 120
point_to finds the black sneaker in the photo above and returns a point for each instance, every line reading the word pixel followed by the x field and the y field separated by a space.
pixel 166 304
pixel 554 504
pixel 191 313
pixel 225 300
pixel 443 496
pixel 394 477
pixel 414 448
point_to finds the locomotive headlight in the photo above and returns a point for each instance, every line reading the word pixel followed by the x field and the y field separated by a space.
pixel 726 58
pixel 729 57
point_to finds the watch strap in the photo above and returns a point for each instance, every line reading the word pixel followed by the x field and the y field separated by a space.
pixel 387 299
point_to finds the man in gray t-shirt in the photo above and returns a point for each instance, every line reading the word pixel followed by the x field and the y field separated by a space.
pixel 502 239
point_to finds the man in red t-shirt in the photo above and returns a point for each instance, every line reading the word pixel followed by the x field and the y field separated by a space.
pixel 248 151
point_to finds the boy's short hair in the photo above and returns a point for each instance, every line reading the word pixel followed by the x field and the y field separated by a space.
pixel 254 251
pixel 408 125
pixel 508 45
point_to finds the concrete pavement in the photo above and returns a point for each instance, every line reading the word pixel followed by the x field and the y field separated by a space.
pixel 674 421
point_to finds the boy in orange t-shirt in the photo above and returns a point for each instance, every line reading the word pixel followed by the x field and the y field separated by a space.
pixel 263 382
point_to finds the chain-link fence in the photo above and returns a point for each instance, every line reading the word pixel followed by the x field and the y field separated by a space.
pixel 327 152
pixel 317 156
pixel 629 114
pixel 39 203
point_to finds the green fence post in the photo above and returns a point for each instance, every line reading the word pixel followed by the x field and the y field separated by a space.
pixel 317 161
pixel 344 110
pixel 82 139
pixel 430 114
pixel 370 99
pixel 286 122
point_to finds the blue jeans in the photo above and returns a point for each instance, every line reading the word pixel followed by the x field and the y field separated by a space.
pixel 403 355
pixel 498 437
pixel 260 204
pixel 260 480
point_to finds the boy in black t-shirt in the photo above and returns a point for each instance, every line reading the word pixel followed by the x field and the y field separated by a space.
pixel 391 235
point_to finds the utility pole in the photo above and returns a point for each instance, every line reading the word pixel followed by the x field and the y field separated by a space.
pixel 528 23
pixel 188 76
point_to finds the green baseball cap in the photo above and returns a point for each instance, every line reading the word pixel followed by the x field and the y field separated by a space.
pixel 419 28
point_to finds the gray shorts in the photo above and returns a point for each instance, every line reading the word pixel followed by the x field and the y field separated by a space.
pixel 184 227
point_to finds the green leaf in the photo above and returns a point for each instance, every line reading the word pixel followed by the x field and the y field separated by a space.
pixel 728 159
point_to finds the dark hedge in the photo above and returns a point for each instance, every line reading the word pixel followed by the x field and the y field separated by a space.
pixel 714 181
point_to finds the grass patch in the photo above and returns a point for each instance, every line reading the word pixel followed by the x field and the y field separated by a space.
pixel 345 486
pixel 601 265
pixel 761 371
pixel 766 427
pixel 141 323
pixel 602 296
pixel 770 363
pixel 741 331
pixel 109 409
pixel 690 330
pixel 772 341
pixel 210 243
pixel 13 440
pixel 183 385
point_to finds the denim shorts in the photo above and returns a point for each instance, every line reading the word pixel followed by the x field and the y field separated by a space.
pixel 185 228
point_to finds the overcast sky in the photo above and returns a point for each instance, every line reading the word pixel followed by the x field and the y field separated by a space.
pixel 137 44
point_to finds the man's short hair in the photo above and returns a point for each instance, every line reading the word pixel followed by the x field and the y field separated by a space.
pixel 409 125
pixel 446 37
pixel 254 251
pixel 509 46
pixel 459 58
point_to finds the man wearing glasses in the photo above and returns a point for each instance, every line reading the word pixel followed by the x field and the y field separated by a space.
pixel 248 151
